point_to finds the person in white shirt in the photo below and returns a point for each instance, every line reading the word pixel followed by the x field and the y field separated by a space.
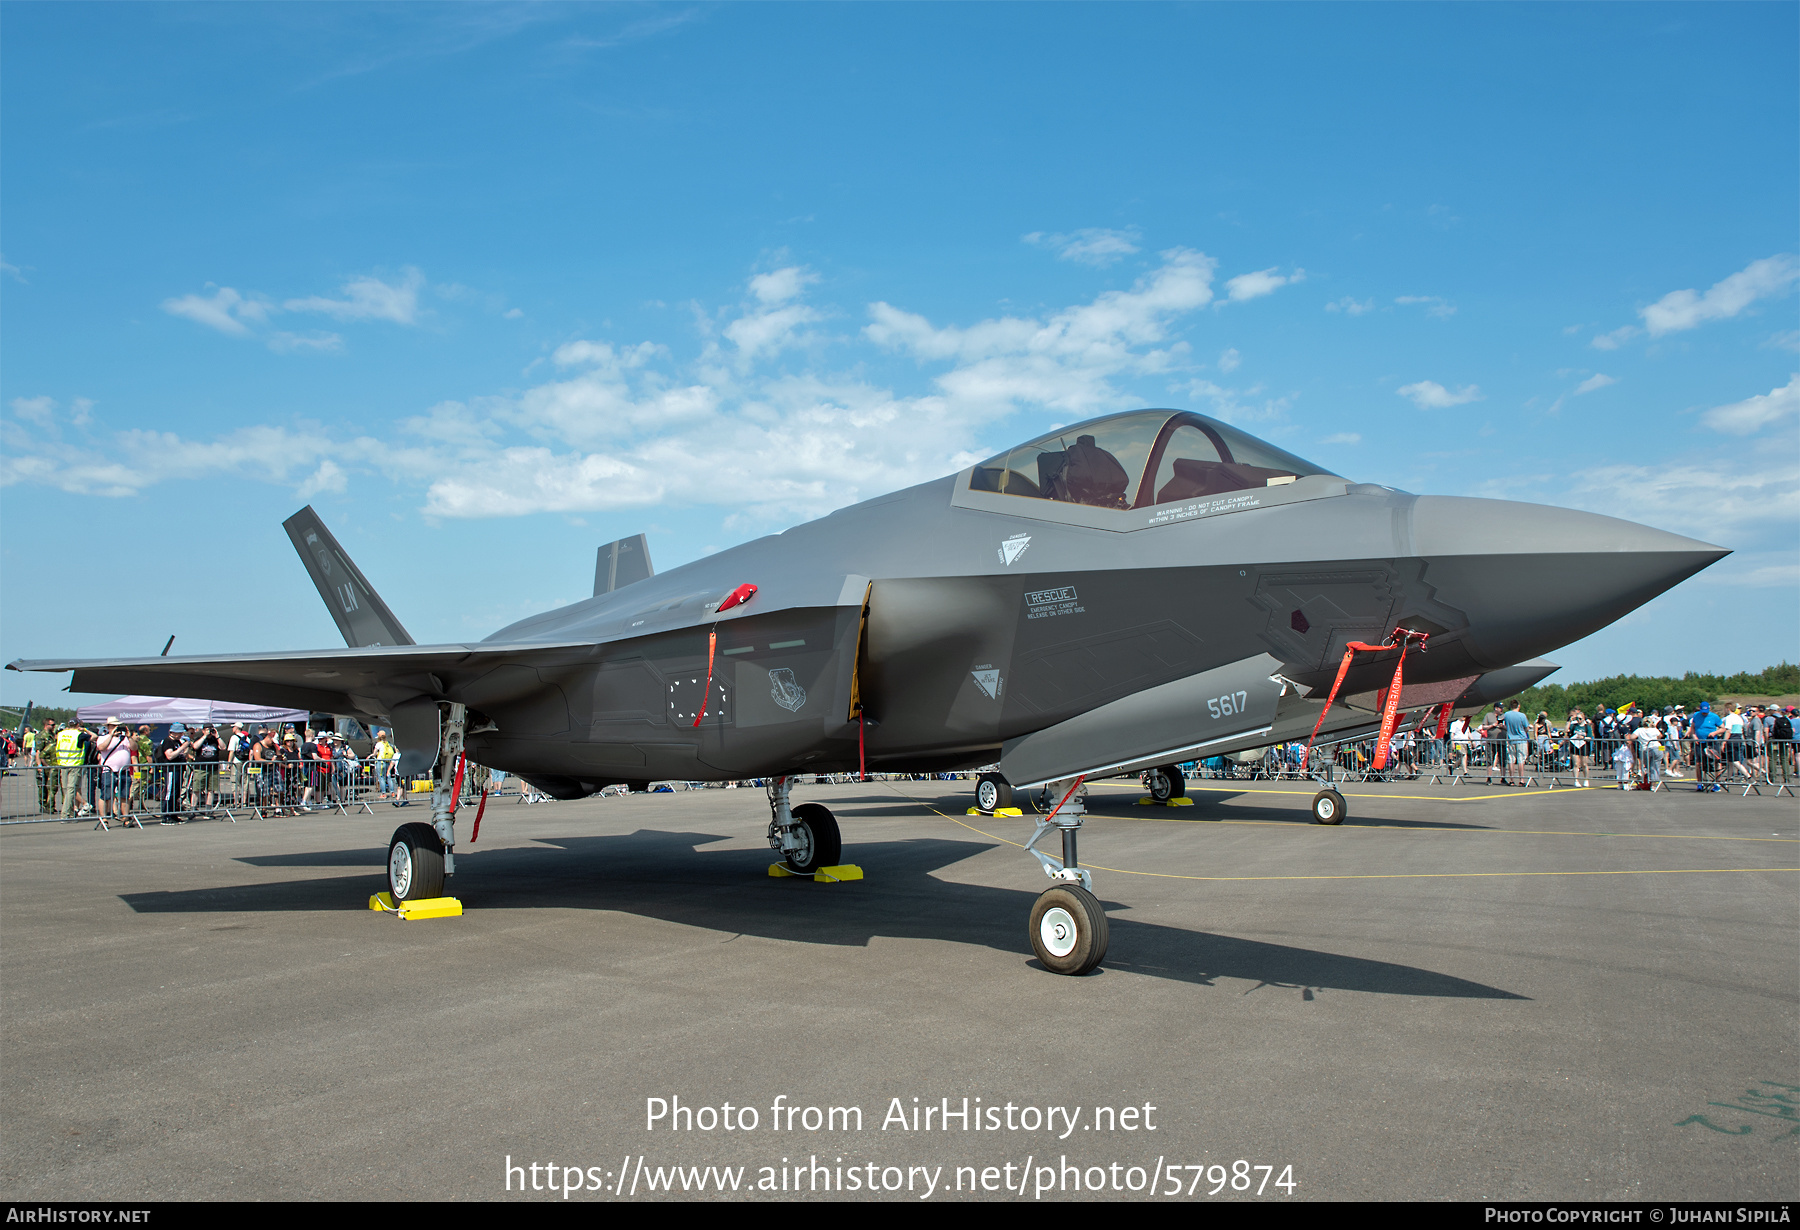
pixel 1650 750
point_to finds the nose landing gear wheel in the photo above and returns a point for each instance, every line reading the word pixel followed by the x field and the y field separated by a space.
pixel 1068 930
pixel 820 843
pixel 1328 807
pixel 992 792
pixel 1165 783
pixel 415 865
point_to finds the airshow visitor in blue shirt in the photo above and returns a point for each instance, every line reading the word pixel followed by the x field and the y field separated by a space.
pixel 1518 742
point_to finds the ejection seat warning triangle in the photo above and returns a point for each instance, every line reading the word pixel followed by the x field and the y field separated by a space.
pixel 989 682
pixel 1013 548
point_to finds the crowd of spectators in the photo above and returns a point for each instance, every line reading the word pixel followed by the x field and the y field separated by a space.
pixel 1714 746
pixel 116 773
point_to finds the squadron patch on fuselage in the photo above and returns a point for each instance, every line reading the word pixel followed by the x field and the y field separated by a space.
pixel 785 690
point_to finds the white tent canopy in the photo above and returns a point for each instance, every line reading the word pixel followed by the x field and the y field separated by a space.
pixel 164 710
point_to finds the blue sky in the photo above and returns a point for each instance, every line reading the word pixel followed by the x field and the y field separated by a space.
pixel 490 285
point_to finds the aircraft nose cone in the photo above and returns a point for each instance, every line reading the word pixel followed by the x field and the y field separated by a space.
pixel 1533 578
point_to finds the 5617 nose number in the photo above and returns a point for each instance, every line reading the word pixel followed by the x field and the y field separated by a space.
pixel 1228 705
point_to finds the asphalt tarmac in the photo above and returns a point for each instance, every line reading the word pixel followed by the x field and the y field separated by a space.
pixel 1460 993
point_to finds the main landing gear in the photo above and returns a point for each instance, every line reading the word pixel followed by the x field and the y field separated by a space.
pixel 807 836
pixel 421 855
pixel 1165 783
pixel 1068 925
pixel 1328 807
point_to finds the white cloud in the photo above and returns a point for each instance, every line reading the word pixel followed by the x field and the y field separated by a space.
pixel 1430 395
pixel 604 355
pixel 1343 437
pixel 130 461
pixel 1618 337
pixel 329 477
pixel 1262 282
pixel 782 285
pixel 295 343
pixel 1228 362
pixel 1686 309
pixel 1089 246
pixel 369 298
pixel 1755 413
pixel 768 332
pixel 1598 380
pixel 618 425
pixel 226 310
pixel 512 314
pixel 1434 305
pixel 47 412
pixel 13 271
pixel 34 409
pixel 1706 499
pixel 1239 406
pixel 1350 307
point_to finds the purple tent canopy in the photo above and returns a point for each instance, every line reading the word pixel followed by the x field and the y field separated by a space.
pixel 163 710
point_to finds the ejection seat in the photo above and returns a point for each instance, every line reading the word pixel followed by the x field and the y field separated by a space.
pixel 1084 473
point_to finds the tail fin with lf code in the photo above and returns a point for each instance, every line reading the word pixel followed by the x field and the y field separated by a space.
pixel 361 615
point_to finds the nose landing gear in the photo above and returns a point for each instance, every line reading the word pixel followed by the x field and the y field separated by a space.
pixel 1068 926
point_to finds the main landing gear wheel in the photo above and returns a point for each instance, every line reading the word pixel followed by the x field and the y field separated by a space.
pixel 821 845
pixel 1328 807
pixel 415 865
pixel 992 792
pixel 1068 929
pixel 1166 783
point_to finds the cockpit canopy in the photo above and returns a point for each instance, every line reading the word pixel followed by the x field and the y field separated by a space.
pixel 1139 459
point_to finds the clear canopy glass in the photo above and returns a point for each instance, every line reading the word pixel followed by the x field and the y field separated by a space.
pixel 1139 459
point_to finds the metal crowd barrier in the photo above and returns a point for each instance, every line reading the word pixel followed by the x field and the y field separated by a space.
pixel 1745 766
pixel 189 790
pixel 228 790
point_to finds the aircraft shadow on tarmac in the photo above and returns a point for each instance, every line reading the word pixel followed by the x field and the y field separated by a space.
pixel 665 875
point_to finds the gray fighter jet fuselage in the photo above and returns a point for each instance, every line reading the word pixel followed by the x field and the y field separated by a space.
pixel 1129 592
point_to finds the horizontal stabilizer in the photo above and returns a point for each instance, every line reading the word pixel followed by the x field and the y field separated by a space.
pixel 361 615
pixel 622 563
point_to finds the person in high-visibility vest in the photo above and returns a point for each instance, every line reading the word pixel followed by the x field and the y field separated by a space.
pixel 71 767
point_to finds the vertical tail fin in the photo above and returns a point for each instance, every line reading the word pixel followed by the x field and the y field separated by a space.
pixel 361 615
pixel 621 563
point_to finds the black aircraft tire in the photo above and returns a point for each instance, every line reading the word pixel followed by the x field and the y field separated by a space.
pixel 1068 930
pixel 1328 807
pixel 1166 783
pixel 822 844
pixel 992 792
pixel 415 866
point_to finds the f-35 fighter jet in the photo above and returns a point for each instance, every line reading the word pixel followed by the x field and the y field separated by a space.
pixel 1116 597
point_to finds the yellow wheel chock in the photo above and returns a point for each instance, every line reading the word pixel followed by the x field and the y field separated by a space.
pixel 824 875
pixel 409 911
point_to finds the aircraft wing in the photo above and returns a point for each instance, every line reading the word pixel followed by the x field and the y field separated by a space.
pixel 368 681
pixel 397 684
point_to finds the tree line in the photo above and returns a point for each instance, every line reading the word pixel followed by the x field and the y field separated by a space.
pixel 1658 691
